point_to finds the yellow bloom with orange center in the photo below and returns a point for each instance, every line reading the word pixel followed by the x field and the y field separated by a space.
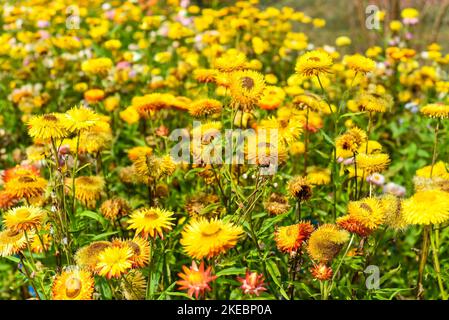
pixel 151 221
pixel 73 284
pixel 114 261
pixel 140 248
pixel 208 238
pixel 246 88
pixel 26 186
pixel 23 218
pixel 314 63
pixel 290 238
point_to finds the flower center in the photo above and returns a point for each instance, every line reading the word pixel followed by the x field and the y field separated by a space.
pixel 73 287
pixel 212 230
pixel 26 179
pixel 314 59
pixel 23 213
pixel 50 117
pixel 247 83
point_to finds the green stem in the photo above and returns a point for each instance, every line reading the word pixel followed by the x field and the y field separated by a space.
pixel 436 262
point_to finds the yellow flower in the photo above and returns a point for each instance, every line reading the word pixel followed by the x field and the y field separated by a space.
pixel 113 262
pixel 13 242
pixel 99 66
pixel 359 63
pixel 427 207
pixel 318 176
pixel 140 248
pixel 440 169
pixel 231 61
pixel 343 41
pixel 80 118
pixel 314 63
pixel 348 143
pixel 205 107
pixel 246 88
pixel 372 163
pixel 88 189
pixel 115 208
pixel 208 238
pixel 130 115
pixel 409 13
pixel 300 188
pixel 47 127
pixel 368 211
pixel 73 284
pixel 133 285
pixel 290 238
pixel 395 25
pixel 26 186
pixel 394 212
pixel 94 95
pixel 436 110
pixel 151 221
pixel 373 102
pixel 87 256
pixel 326 242
pixel 23 218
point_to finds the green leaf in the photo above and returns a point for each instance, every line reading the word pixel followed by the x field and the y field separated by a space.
pixel 94 215
pixel 275 274
pixel 231 271
pixel 327 138
pixel 104 235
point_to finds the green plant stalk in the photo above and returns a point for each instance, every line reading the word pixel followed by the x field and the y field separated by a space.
pixel 422 261
pixel 436 262
pixel 331 286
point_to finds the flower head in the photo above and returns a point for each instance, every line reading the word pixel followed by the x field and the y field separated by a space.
pixel 114 261
pixel 195 280
pixel 314 63
pixel 253 283
pixel 208 238
pixel 290 238
pixel 427 207
pixel 73 284
pixel 326 242
pixel 23 218
pixel 151 221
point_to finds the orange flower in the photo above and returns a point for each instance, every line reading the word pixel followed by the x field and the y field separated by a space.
pixel 321 272
pixel 353 225
pixel 290 238
pixel 195 280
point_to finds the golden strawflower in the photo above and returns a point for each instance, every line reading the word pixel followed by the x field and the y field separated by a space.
pixel 427 207
pixel 23 218
pixel 208 238
pixel 73 284
pixel 314 63
pixel 326 242
pixel 114 261
pixel 151 221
